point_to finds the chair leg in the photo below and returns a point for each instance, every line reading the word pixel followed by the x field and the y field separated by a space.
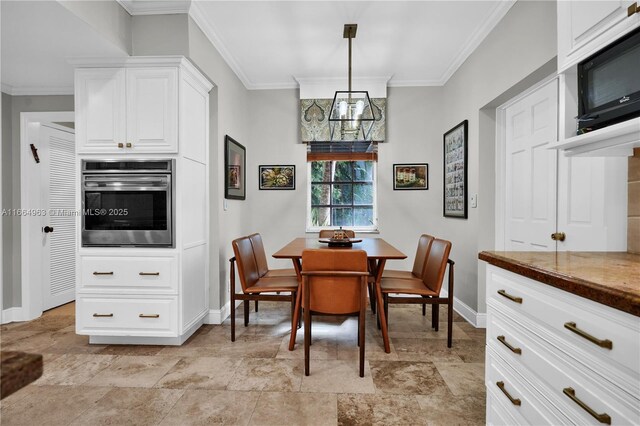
pixel 256 306
pixel 436 316
pixel 233 315
pixel 386 309
pixel 424 308
pixel 293 310
pixel 246 313
pixel 449 321
pixel 372 298
pixel 307 329
pixel 361 328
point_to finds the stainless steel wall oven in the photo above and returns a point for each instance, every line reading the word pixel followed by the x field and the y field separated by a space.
pixel 127 203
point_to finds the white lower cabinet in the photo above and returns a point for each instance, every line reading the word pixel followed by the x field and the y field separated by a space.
pixel 549 373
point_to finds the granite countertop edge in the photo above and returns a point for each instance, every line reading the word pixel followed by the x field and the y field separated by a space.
pixel 598 292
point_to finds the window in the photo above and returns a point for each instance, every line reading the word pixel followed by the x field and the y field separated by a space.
pixel 342 193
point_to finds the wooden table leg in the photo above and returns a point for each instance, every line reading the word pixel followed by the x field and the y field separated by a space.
pixel 381 315
pixel 296 313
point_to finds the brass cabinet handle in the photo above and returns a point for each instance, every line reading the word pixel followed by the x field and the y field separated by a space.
pixel 558 236
pixel 572 326
pixel 102 315
pixel 155 274
pixel 102 273
pixel 502 340
pixel 149 315
pixel 503 293
pixel 602 418
pixel 514 401
pixel 633 9
pixel 120 145
pixel 128 145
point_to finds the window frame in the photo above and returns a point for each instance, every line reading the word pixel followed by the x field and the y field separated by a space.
pixel 373 228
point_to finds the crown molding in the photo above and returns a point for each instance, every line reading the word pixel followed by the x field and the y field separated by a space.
pixel 323 88
pixel 197 14
pixel 414 83
pixel 155 7
pixel 36 90
pixel 474 40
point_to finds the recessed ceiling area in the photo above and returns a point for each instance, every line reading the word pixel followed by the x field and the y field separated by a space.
pixel 271 44
pixel 37 39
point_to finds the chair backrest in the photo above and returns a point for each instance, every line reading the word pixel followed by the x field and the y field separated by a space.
pixel 334 294
pixel 259 253
pixel 424 244
pixel 247 267
pixel 328 233
pixel 436 264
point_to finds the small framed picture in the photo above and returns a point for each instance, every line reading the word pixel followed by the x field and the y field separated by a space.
pixel 455 171
pixel 235 167
pixel 410 176
pixel 277 177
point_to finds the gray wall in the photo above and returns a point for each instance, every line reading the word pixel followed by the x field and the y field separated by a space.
pixel 11 184
pixel 160 35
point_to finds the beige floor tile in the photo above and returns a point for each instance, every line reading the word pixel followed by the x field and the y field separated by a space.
pixel 130 406
pixel 248 346
pixel 48 323
pixel 67 341
pixel 447 409
pixel 67 309
pixel 51 405
pixel 282 375
pixel 206 407
pixel 134 371
pixel 361 409
pixel 457 332
pixel 407 378
pixel 322 348
pixel 373 349
pixel 469 350
pixel 425 350
pixel 463 379
pixel 200 373
pixel 131 350
pixel 12 336
pixel 305 409
pixel 36 343
pixel 337 377
pixel 73 369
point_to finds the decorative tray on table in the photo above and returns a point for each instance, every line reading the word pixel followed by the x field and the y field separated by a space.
pixel 344 242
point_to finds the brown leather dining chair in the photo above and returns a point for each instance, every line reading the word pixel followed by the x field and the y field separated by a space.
pixel 328 233
pixel 428 286
pixel 263 266
pixel 253 285
pixel 334 282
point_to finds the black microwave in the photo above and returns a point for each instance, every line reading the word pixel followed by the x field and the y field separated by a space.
pixel 609 84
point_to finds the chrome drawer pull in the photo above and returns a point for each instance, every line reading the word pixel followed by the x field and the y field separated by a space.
pixel 155 274
pixel 502 340
pixel 514 401
pixel 602 418
pixel 102 315
pixel 510 297
pixel 102 273
pixel 606 343
pixel 149 315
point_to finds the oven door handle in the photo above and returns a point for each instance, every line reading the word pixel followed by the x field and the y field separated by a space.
pixel 132 183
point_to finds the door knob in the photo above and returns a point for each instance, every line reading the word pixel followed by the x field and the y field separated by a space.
pixel 47 229
pixel 558 236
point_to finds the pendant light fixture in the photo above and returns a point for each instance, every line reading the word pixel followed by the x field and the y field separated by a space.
pixel 351 117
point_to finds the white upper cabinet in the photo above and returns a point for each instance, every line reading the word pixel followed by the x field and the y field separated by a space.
pixel 584 27
pixel 127 110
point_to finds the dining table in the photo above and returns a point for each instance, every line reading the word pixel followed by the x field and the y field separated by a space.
pixel 378 252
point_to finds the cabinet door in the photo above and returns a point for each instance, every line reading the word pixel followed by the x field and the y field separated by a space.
pixel 152 110
pixel 100 109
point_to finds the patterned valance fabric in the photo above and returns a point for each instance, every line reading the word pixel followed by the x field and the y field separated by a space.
pixel 314 119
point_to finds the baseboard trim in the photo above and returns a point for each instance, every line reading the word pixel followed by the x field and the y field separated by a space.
pixel 12 315
pixel 217 316
pixel 478 320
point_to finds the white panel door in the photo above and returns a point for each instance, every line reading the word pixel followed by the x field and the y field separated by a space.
pixel 152 109
pixel 58 238
pixel 530 200
pixel 100 110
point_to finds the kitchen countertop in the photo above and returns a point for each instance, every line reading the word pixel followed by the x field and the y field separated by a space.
pixel 18 370
pixel 610 278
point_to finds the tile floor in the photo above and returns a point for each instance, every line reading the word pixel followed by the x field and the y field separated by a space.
pixel 255 380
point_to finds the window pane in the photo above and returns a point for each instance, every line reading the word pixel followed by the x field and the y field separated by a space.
pixel 321 171
pixel 363 170
pixel 320 216
pixel 320 194
pixel 342 216
pixel 343 171
pixel 341 194
pixel 363 216
pixel 363 194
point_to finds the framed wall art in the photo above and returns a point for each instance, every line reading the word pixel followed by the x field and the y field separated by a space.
pixel 277 177
pixel 235 169
pixel 455 171
pixel 410 176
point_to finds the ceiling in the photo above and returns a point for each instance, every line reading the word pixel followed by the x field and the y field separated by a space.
pixel 37 39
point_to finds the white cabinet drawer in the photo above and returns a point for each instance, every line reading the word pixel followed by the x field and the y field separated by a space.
pixel 107 274
pixel 123 317
pixel 551 369
pixel 517 396
pixel 558 309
